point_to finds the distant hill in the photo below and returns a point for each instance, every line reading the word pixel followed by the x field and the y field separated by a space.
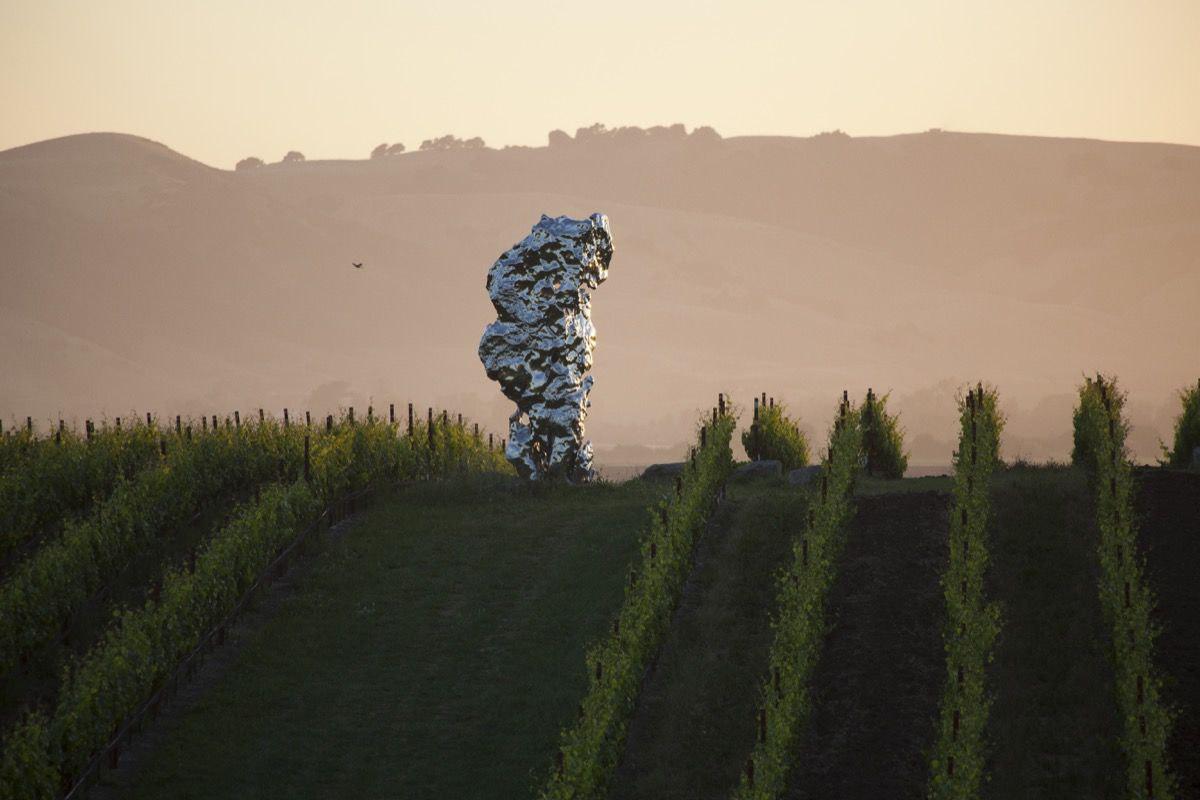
pixel 134 277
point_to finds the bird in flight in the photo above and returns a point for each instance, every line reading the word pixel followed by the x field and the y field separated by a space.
pixel 357 264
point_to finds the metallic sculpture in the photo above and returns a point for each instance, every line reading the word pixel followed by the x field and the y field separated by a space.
pixel 540 346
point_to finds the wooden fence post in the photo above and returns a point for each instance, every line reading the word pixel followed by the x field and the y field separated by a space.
pixel 410 419
pixel 391 413
pixel 307 469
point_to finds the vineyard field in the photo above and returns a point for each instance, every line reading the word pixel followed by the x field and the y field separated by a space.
pixel 434 650
pixel 1053 726
pixel 692 636
pixel 697 708
pixel 41 677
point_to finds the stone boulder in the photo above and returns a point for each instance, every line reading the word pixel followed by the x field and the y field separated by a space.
pixel 758 469
pixel 803 476
pixel 661 472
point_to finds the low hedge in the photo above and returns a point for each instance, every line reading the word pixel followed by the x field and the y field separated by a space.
pixel 883 439
pixel 776 436
pixel 1187 429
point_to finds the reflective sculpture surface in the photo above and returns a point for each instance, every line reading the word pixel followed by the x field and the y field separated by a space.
pixel 539 349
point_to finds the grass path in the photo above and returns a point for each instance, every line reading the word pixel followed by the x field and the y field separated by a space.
pixel 434 651
pixel 878 681
pixel 1053 726
pixel 695 719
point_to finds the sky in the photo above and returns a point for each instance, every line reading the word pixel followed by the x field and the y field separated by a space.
pixel 223 80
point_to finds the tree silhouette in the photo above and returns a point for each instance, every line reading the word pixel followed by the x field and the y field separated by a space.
pixel 292 156
pixel 452 142
pixel 253 162
pixel 386 150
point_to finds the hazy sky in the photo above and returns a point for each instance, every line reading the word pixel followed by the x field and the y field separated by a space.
pixel 219 80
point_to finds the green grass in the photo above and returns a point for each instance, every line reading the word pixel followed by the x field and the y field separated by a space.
pixel 434 651
pixel 869 487
pixel 695 719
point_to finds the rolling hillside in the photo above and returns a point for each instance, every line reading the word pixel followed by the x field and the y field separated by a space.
pixel 134 277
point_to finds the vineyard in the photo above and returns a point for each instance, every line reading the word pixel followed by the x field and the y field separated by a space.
pixel 373 606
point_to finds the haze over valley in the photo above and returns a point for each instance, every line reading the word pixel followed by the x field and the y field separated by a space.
pixel 135 278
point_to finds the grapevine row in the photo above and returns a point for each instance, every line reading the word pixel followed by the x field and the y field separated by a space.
pixel 972 623
pixel 1124 595
pixel 800 622
pixel 46 751
pixel 62 477
pixel 617 663
pixel 42 593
